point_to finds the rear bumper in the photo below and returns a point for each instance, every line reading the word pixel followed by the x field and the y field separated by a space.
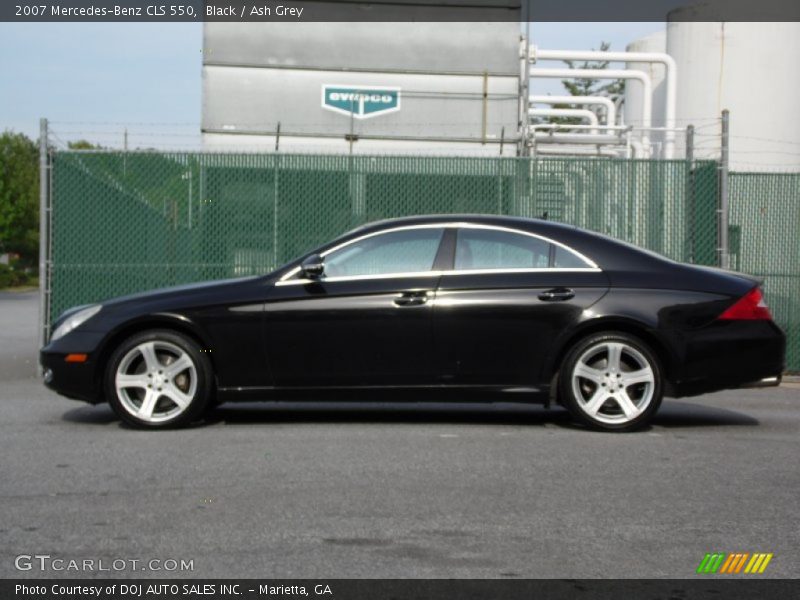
pixel 730 355
pixel 763 383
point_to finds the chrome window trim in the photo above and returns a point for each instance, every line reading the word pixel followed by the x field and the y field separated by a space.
pixel 592 268
pixel 438 274
pixel 360 277
pixel 522 270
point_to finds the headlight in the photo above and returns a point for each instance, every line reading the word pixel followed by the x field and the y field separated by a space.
pixel 74 321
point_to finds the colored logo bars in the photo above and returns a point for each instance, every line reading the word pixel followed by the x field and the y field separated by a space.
pixel 734 563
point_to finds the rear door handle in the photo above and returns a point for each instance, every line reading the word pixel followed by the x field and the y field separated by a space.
pixel 411 298
pixel 557 295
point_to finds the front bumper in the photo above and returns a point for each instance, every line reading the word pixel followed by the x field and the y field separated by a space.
pixel 76 380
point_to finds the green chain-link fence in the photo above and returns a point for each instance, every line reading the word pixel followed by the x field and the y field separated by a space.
pixel 125 222
pixel 763 231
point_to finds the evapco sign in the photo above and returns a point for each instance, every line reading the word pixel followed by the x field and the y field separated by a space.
pixel 360 102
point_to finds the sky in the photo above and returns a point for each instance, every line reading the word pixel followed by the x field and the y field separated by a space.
pixel 91 78
pixel 99 72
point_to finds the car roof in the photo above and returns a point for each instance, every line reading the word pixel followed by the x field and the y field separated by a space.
pixel 606 251
pixel 523 223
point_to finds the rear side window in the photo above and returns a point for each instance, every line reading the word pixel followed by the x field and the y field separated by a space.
pixel 492 249
pixel 482 249
pixel 564 259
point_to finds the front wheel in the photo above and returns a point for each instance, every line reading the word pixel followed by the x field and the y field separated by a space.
pixel 611 381
pixel 158 379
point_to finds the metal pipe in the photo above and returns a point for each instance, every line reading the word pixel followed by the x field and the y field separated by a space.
pixel 556 126
pixel 581 151
pixel 43 237
pixel 690 181
pixel 644 78
pixel 638 149
pixel 580 113
pixel 525 82
pixel 485 107
pixel 523 129
pixel 190 199
pixel 724 249
pixel 611 110
pixel 630 57
pixel 604 127
pixel 577 138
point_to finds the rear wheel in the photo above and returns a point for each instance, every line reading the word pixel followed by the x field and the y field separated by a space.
pixel 611 381
pixel 158 379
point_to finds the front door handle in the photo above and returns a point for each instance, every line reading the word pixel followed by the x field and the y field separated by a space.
pixel 411 298
pixel 557 295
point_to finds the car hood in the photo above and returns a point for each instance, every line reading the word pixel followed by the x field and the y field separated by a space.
pixel 175 297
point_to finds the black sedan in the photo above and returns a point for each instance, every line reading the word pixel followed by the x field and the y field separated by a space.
pixel 511 308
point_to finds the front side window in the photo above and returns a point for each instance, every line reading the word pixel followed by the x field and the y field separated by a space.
pixel 481 249
pixel 405 251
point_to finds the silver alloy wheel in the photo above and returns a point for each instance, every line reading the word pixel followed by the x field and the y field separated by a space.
pixel 156 381
pixel 613 382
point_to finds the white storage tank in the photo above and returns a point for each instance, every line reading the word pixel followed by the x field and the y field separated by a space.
pixel 632 112
pixel 749 68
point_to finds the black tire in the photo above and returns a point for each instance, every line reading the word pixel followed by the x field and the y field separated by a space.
pixel 193 385
pixel 620 406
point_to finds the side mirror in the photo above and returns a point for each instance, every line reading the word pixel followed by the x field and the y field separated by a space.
pixel 313 267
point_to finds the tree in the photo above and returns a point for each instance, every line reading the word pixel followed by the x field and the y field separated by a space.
pixel 582 86
pixel 19 196
pixel 594 87
pixel 83 145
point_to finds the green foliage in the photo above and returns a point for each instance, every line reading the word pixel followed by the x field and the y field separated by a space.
pixel 19 196
pixel 587 87
pixel 83 145
pixel 6 276
pixel 594 87
pixel 12 277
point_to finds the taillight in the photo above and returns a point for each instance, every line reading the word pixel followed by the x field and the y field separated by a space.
pixel 750 307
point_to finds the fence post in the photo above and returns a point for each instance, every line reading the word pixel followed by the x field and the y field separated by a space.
pixel 524 84
pixel 723 250
pixel 690 201
pixel 44 229
pixel 276 164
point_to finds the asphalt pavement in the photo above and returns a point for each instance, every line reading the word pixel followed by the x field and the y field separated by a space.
pixel 391 490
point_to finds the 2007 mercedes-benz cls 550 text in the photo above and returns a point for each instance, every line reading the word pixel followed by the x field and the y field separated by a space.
pixel 467 303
